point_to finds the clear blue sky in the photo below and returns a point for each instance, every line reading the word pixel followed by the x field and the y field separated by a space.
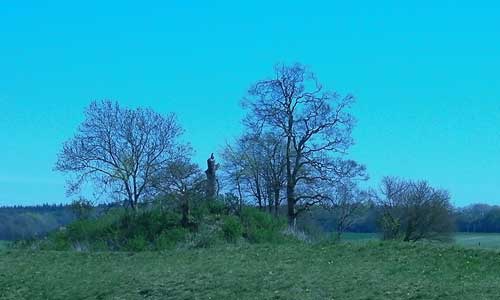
pixel 425 73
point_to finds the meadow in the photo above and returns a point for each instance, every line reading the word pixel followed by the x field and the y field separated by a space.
pixel 3 244
pixel 489 241
pixel 372 270
pixel 361 267
pixel 478 240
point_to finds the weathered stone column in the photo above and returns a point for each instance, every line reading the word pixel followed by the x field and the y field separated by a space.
pixel 211 178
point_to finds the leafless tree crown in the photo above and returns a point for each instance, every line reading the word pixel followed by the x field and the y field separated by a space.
pixel 121 150
pixel 316 128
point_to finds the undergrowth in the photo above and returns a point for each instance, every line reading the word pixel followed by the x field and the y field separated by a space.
pixel 156 229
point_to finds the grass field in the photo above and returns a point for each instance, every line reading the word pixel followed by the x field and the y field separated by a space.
pixel 3 244
pixel 479 240
pixel 372 270
pixel 490 241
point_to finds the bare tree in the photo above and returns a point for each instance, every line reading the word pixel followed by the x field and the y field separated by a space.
pixel 316 126
pixel 182 179
pixel 346 204
pixel 233 172
pixel 121 150
pixel 273 149
pixel 255 164
pixel 413 211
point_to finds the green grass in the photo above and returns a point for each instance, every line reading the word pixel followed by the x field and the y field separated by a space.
pixel 479 240
pixel 3 245
pixel 490 241
pixel 359 237
pixel 372 270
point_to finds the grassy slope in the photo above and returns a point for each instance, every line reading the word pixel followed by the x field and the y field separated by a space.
pixel 293 271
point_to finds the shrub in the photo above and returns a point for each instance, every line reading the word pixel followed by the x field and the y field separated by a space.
pixel 57 241
pixel 150 224
pixel 137 243
pixel 119 230
pixel 102 228
pixel 206 236
pixel 82 208
pixel 261 227
pixel 155 229
pixel 168 239
pixel 231 228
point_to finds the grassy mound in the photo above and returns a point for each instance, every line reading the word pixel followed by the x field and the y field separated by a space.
pixel 293 270
pixel 156 229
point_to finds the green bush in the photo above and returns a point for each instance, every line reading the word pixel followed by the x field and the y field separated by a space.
pixel 136 244
pixel 82 208
pixel 170 238
pixel 206 236
pixel 259 227
pixel 232 229
pixel 119 230
pixel 102 228
pixel 150 224
pixel 57 241
pixel 157 229
pixel 216 207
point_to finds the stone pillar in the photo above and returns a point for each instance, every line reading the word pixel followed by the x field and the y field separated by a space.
pixel 211 178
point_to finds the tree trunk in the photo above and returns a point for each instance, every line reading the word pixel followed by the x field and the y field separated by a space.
pixel 276 201
pixel 133 204
pixel 290 187
pixel 185 211
pixel 291 206
pixel 409 232
pixel 259 193
pixel 240 197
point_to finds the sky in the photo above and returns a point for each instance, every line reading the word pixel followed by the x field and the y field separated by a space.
pixel 425 75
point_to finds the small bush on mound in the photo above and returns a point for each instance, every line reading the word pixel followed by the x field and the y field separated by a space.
pixel 154 229
pixel 232 229
pixel 260 227
pixel 118 230
pixel 208 235
pixel 170 238
pixel 208 209
pixel 136 244
pixel 148 224
pixel 57 241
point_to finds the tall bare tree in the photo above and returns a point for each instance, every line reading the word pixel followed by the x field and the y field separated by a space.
pixel 316 125
pixel 121 150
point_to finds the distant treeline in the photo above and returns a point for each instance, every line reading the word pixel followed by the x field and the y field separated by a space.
pixel 23 222
pixel 472 218
pixel 478 218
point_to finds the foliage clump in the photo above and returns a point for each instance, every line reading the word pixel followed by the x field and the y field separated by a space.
pixel 156 229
